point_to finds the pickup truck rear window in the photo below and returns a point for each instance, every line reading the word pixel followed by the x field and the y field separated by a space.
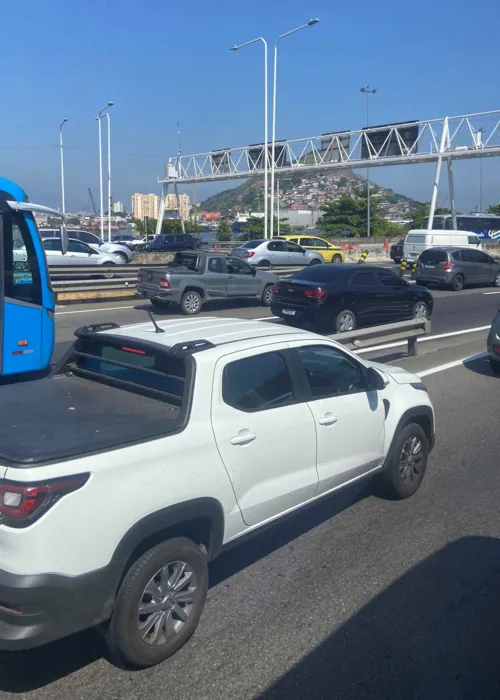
pixel 133 366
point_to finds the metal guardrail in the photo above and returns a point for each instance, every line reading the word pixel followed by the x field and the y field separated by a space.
pixel 377 335
pixel 73 283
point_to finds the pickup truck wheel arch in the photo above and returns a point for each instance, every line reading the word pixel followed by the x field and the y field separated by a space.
pixel 418 414
pixel 200 519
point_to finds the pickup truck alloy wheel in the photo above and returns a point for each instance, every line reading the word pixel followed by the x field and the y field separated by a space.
pixel 166 603
pixel 191 303
pixel 267 295
pixel 407 461
pixel 411 460
pixel 159 603
pixel 420 310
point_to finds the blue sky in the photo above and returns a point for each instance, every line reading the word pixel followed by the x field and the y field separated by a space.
pixel 163 62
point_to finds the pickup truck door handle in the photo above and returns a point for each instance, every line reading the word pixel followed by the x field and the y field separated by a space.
pixel 328 419
pixel 244 437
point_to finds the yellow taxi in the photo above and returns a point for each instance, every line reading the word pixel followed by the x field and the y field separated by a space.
pixel 330 252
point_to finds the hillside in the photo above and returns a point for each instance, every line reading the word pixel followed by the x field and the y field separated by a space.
pixel 308 192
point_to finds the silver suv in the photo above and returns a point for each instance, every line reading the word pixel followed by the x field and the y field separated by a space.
pixel 456 267
pixel 276 252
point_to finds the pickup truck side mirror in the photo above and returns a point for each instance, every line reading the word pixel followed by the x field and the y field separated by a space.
pixel 375 381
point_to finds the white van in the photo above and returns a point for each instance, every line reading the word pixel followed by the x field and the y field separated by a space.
pixel 419 239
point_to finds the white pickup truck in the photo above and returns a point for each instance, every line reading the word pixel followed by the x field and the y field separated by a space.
pixel 157 446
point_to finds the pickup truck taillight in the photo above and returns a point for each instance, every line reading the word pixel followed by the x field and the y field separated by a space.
pixel 23 503
pixel 139 276
pixel 249 254
pixel 276 288
pixel 318 294
pixel 164 284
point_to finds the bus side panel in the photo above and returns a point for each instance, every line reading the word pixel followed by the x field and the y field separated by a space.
pixel 22 337
pixel 48 339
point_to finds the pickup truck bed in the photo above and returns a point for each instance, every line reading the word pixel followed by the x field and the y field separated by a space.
pixel 64 417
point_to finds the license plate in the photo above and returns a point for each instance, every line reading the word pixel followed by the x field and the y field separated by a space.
pixel 289 312
pixel 429 265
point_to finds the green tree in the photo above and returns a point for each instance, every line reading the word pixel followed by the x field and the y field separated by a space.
pixel 421 214
pixel 224 232
pixel 346 214
pixel 494 209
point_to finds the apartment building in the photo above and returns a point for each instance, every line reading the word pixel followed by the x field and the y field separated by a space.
pixel 184 204
pixel 145 205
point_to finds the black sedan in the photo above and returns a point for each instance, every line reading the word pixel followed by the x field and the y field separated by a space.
pixel 396 250
pixel 340 298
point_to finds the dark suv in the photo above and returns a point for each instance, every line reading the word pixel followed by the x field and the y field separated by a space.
pixel 456 267
pixel 170 243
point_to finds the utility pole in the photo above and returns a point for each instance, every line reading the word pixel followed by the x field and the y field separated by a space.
pixel 368 92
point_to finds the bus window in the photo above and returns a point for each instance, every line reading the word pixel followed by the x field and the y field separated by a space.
pixel 21 269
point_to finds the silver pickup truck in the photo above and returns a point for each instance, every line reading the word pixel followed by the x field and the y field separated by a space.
pixel 193 278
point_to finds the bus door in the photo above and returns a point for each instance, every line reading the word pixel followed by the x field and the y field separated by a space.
pixel 21 312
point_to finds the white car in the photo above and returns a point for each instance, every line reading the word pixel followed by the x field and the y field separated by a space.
pixel 91 239
pixel 166 443
pixel 78 254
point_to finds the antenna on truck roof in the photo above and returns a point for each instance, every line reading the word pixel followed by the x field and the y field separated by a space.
pixel 156 326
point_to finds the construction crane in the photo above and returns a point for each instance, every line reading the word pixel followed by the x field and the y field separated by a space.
pixel 92 203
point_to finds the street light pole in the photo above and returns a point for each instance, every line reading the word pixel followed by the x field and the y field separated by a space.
pixel 266 134
pixel 99 117
pixel 368 92
pixel 273 148
pixel 109 177
pixel 63 197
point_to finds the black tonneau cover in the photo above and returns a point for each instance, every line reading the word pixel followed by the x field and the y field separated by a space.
pixel 63 417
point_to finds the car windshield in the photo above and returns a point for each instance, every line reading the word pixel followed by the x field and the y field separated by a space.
pixel 253 244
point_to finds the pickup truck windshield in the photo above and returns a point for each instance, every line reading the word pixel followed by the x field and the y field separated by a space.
pixel 189 260
pixel 131 366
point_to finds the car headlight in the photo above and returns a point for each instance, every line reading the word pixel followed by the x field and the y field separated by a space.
pixel 419 385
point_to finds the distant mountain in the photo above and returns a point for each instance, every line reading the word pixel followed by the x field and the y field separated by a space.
pixel 306 192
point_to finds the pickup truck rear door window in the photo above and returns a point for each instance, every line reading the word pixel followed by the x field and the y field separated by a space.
pixel 132 366
pixel 215 265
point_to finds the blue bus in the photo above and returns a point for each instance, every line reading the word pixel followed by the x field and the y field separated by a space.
pixel 486 226
pixel 26 297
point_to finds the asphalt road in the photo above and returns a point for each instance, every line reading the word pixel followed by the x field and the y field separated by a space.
pixel 359 597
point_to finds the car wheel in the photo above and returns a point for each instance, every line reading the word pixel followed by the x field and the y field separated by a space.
pixel 345 321
pixel 420 310
pixel 159 304
pixel 267 295
pixel 315 261
pixel 109 275
pixel 407 461
pixel 496 280
pixel 457 283
pixel 123 256
pixel 495 365
pixel 191 303
pixel 337 259
pixel 159 603
pixel 264 263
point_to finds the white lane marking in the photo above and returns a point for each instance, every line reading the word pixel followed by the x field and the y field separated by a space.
pixel 424 339
pixel 488 293
pixel 450 365
pixel 93 311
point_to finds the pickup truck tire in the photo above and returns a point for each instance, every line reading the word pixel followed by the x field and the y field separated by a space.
pixel 267 295
pixel 159 603
pixel 407 461
pixel 191 303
